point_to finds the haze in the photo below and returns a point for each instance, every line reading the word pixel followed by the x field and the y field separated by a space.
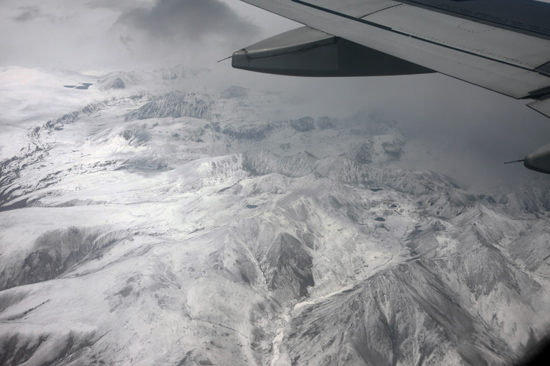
pixel 456 128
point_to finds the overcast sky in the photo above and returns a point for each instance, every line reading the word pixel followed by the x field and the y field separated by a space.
pixel 115 34
pixel 459 129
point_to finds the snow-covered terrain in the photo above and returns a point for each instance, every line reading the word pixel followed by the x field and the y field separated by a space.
pixel 145 224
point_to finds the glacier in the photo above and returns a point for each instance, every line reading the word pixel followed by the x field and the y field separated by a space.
pixel 143 223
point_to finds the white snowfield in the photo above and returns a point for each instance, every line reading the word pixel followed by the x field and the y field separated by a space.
pixel 146 225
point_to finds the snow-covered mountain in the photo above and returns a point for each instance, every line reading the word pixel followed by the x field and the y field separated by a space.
pixel 186 228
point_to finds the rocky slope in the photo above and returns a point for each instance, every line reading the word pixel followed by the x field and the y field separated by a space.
pixel 184 228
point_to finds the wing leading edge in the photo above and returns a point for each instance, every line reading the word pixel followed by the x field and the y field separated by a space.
pixel 501 45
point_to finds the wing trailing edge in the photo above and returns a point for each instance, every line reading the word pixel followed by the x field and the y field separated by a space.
pixel 541 106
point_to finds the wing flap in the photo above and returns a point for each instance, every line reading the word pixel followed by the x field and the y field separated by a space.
pixel 541 106
pixel 356 8
pixel 449 31
pixel 309 52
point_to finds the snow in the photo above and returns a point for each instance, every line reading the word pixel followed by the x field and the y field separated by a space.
pixel 235 237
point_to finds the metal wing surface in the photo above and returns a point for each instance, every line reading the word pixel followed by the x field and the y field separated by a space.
pixel 501 45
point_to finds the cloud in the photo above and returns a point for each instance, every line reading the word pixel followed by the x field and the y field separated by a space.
pixel 183 31
pixel 27 13
pixel 119 4
pixel 32 13
pixel 125 34
pixel 192 19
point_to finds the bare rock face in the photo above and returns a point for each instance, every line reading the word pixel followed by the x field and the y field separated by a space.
pixel 235 92
pixel 287 268
pixel 303 124
pixel 117 83
pixel 55 252
pixel 174 104
pixel 186 229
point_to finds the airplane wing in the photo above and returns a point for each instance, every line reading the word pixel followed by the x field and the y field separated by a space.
pixel 501 45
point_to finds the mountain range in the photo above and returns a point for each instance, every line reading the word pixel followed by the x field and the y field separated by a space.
pixel 150 224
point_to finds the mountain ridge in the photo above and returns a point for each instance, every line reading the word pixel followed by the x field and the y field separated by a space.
pixel 184 228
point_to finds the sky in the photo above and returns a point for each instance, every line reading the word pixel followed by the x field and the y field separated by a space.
pixel 110 35
pixel 458 129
